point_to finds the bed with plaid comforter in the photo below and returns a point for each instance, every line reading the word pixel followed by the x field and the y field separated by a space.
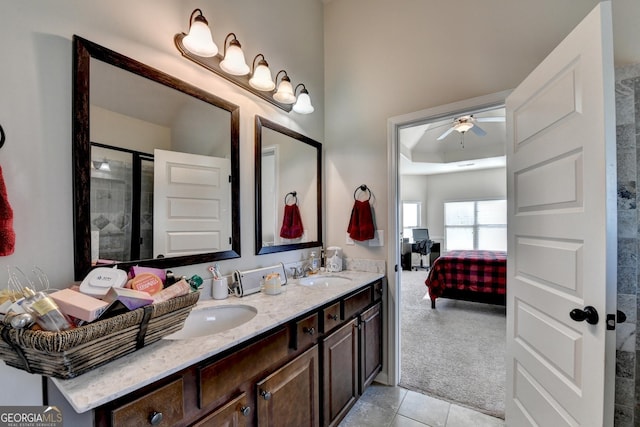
pixel 479 276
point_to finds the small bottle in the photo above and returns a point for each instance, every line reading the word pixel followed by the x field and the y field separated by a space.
pixel 314 262
pixel 45 310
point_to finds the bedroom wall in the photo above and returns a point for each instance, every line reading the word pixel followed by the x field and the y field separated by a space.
pixel 435 190
pixel 627 346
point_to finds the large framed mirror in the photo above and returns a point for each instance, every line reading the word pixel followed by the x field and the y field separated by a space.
pixel 288 189
pixel 155 166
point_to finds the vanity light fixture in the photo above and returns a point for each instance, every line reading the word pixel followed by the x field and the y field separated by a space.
pixel 303 103
pixel 261 76
pixel 232 66
pixel 284 93
pixel 102 166
pixel 234 62
pixel 199 40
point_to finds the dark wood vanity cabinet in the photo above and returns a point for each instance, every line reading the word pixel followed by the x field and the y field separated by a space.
pixel 290 396
pixel 340 372
pixel 309 372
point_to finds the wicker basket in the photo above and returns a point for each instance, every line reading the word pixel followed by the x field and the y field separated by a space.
pixel 68 354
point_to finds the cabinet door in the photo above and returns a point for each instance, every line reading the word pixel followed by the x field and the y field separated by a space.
pixel 235 413
pixel 370 345
pixel 290 396
pixel 339 373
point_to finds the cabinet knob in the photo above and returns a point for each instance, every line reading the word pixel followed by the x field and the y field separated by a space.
pixel 245 410
pixel 266 395
pixel 333 317
pixel 155 418
pixel 309 331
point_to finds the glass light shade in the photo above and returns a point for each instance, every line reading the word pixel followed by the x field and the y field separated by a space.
pixel 463 127
pixel 261 78
pixel 199 40
pixel 285 93
pixel 303 104
pixel 234 62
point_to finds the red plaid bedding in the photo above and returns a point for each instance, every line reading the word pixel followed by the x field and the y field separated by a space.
pixel 483 272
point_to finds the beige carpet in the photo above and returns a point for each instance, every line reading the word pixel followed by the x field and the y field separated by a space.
pixel 456 351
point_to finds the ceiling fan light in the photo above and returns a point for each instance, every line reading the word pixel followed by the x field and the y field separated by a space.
pixel 463 127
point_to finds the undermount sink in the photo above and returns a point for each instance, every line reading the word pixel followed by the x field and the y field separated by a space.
pixel 324 281
pixel 212 320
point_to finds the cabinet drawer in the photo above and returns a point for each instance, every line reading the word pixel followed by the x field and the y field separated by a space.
pixel 236 412
pixel 306 332
pixel 357 302
pixel 165 403
pixel 217 379
pixel 331 317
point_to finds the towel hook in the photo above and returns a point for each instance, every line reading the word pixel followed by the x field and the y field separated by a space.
pixel 362 188
pixel 292 194
pixel 2 136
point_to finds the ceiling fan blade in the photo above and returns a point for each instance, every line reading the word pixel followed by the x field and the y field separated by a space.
pixel 445 134
pixel 489 119
pixel 478 131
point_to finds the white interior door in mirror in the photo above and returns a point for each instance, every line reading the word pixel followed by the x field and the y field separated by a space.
pixel 192 202
pixel 270 192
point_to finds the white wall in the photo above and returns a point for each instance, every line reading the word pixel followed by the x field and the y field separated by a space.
pixel 434 190
pixel 35 112
pixel 388 58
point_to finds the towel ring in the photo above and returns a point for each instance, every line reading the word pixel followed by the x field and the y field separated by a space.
pixel 292 194
pixel 2 136
pixel 362 188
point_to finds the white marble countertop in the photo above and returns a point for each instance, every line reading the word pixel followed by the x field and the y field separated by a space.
pixel 158 360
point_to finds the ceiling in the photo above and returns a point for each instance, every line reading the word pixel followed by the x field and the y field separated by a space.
pixel 422 154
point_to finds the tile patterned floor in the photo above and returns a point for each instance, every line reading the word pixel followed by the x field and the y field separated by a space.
pixel 383 406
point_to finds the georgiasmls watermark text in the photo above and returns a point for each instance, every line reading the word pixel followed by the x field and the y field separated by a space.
pixel 30 416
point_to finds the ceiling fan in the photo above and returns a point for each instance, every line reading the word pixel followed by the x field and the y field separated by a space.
pixel 463 124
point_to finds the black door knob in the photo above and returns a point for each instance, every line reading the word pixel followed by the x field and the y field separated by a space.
pixel 589 314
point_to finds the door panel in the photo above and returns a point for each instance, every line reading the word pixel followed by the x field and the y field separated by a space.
pixel 192 198
pixel 562 214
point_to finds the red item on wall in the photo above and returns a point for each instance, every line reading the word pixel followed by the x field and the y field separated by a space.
pixel 7 235
pixel 291 223
pixel 361 225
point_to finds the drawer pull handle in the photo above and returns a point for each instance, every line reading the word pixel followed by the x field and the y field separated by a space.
pixel 245 410
pixel 333 317
pixel 309 331
pixel 266 395
pixel 155 418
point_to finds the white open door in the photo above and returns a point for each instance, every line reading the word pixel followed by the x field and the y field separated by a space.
pixel 191 209
pixel 561 171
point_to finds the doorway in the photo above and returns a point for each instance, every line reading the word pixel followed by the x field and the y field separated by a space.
pixel 429 148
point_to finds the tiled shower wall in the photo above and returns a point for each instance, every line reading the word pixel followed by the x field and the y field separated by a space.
pixel 627 397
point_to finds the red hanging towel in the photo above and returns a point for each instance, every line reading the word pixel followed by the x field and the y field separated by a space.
pixel 7 235
pixel 361 225
pixel 291 223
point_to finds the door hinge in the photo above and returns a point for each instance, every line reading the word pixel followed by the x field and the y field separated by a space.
pixel 229 240
pixel 396 268
pixel 229 178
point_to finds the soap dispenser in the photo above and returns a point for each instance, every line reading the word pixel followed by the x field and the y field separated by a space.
pixel 314 262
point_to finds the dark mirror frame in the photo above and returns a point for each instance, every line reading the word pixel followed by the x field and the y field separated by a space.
pixel 83 52
pixel 261 122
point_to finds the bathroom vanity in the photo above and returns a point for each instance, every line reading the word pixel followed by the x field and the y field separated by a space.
pixel 304 359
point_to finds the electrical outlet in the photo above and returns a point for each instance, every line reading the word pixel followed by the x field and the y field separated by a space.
pixel 378 239
pixel 349 240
